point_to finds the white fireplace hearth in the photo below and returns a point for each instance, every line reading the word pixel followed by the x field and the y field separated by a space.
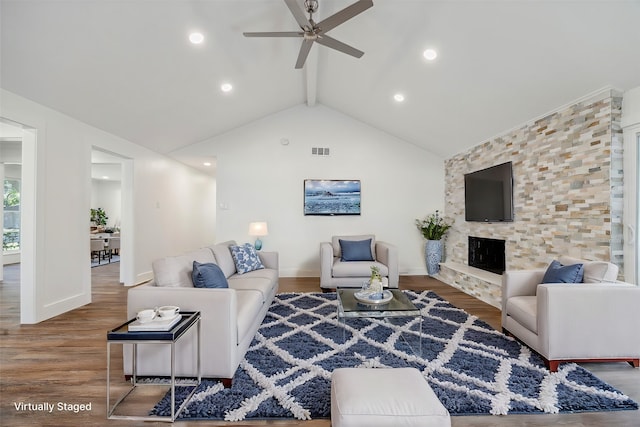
pixel 482 284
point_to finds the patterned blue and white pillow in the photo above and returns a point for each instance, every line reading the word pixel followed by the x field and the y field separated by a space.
pixel 246 258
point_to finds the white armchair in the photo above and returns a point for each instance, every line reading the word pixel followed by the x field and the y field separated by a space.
pixel 595 321
pixel 334 272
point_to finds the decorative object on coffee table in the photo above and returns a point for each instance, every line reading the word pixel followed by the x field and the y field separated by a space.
pixel 373 291
pixel 375 283
pixel 433 228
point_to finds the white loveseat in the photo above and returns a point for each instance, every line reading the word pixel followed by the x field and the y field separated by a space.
pixel 230 316
pixel 598 320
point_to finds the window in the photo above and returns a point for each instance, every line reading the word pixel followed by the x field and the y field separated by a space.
pixel 11 231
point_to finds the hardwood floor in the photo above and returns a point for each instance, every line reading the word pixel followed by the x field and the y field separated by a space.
pixel 64 360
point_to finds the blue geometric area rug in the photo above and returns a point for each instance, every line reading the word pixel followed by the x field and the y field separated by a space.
pixel 472 368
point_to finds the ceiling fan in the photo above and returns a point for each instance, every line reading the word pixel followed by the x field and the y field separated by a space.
pixel 316 31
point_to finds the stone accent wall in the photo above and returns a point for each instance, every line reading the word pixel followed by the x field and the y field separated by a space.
pixel 568 187
pixel 484 290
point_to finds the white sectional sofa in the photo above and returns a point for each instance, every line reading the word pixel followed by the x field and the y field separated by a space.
pixel 230 316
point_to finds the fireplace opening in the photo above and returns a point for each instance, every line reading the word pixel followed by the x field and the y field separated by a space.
pixel 487 254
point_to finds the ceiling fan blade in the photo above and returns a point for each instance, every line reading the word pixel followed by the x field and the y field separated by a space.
pixel 298 13
pixel 275 34
pixel 344 15
pixel 325 40
pixel 304 52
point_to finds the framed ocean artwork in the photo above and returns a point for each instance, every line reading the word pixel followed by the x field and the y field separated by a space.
pixel 331 197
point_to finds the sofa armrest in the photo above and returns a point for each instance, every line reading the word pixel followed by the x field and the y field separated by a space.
pixel 588 320
pixel 218 321
pixel 387 254
pixel 214 304
pixel 326 264
pixel 269 259
pixel 519 283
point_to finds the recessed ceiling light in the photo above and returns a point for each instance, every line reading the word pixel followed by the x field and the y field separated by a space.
pixel 398 97
pixel 196 38
pixel 226 87
pixel 105 177
pixel 207 163
pixel 430 54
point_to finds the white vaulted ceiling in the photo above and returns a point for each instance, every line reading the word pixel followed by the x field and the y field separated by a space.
pixel 128 67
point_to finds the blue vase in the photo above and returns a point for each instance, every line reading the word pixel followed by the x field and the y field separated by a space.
pixel 433 256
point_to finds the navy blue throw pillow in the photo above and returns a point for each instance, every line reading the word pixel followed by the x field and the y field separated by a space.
pixel 208 275
pixel 558 273
pixel 355 250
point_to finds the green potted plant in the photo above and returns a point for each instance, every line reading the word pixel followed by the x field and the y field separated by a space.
pixel 433 229
pixel 99 217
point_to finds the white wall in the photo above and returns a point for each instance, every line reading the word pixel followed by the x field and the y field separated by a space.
pixel 108 196
pixel 631 130
pixel 260 179
pixel 167 199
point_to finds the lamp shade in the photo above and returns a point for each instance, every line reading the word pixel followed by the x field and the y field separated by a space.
pixel 258 229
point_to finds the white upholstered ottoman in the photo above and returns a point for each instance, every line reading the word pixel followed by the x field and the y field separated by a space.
pixel 384 397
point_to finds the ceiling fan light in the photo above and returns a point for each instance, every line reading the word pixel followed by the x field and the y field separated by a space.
pixel 430 54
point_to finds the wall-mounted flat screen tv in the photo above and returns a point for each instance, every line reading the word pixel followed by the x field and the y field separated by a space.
pixel 488 194
pixel 331 197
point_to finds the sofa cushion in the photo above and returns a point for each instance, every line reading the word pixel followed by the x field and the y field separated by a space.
pixel 594 271
pixel 524 310
pixel 357 268
pixel 249 305
pixel 246 258
pixel 251 281
pixel 224 258
pixel 355 250
pixel 176 271
pixel 558 273
pixel 208 275
pixel 335 243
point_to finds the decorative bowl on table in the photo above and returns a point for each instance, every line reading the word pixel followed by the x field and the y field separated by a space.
pixel 370 297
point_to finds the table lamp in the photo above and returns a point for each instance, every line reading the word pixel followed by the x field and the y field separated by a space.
pixel 258 229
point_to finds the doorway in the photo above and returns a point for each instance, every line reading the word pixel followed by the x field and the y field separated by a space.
pixel 11 177
pixel 18 163
pixel 111 190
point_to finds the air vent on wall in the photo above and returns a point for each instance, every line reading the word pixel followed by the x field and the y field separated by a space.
pixel 319 151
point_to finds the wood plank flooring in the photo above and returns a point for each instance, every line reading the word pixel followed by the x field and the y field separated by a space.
pixel 64 360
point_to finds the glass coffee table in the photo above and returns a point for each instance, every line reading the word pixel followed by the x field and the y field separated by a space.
pixel 398 306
